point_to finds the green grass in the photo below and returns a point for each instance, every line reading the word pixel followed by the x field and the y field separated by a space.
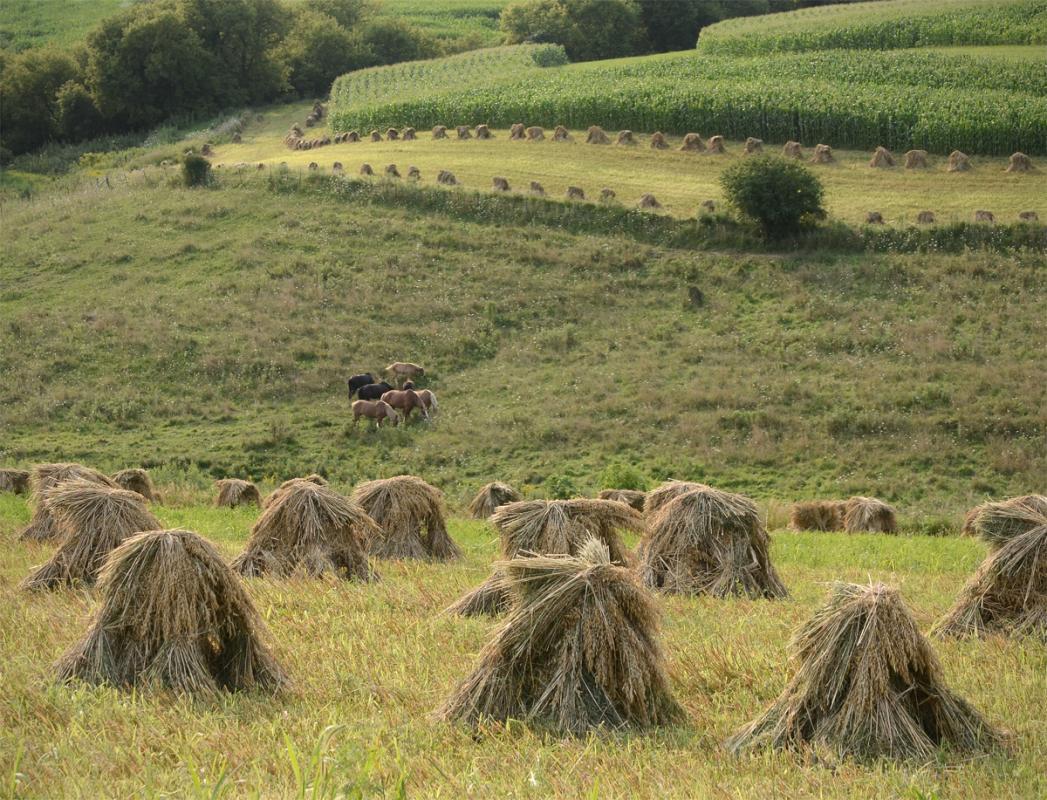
pixel 370 663
pixel 898 99
pixel 882 25
pixel 211 332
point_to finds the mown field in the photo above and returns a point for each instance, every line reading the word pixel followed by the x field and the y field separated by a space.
pixel 370 663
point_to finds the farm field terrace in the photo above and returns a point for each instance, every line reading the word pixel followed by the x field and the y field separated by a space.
pixel 371 662
pixel 680 180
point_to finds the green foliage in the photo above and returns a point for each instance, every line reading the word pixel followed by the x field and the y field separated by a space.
pixel 588 29
pixel 29 84
pixel 560 487
pixel 623 476
pixel 394 40
pixel 196 170
pixel 883 25
pixel 779 195
pixel 78 116
pixel 317 49
pixel 862 99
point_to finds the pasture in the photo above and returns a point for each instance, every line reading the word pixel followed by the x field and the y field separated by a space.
pixel 371 662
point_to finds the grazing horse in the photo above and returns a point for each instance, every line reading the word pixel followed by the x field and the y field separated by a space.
pixel 403 400
pixel 376 410
pixel 401 370
pixel 357 382
pixel 373 391
pixel 429 406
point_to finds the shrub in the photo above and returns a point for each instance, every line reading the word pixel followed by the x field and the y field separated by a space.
pixel 588 29
pixel 623 476
pixel 196 170
pixel 780 196
pixel 560 487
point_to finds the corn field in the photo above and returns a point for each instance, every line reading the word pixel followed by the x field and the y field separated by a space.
pixel 860 99
pixel 881 26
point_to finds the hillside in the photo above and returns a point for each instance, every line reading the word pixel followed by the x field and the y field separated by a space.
pixel 210 333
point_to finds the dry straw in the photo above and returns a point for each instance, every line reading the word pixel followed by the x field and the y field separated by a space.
pixel 658 141
pixel 14 480
pixel 270 498
pixel 578 652
pixel 42 479
pixel 916 159
pixel 692 142
pixel 630 497
pixel 550 527
pixel 997 523
pixel 863 514
pixel 92 521
pixel 137 480
pixel 410 515
pixel 535 134
pixel 309 529
pixel 173 616
pixel 881 157
pixel 233 492
pixel 596 135
pixel 817 515
pixel 704 541
pixel 792 149
pixel 561 134
pixel 867 685
pixel 491 496
pixel 516 132
pixel 753 146
pixel 1007 594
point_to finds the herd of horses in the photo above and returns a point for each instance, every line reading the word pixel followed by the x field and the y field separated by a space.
pixel 391 402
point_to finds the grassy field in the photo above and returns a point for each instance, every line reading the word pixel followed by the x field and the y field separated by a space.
pixel 370 664
pixel 463 24
pixel 680 181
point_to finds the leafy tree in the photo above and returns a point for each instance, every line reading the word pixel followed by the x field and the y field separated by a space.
pixel 78 117
pixel 347 13
pixel 196 170
pixel 392 40
pixel 588 29
pixel 317 50
pixel 780 196
pixel 674 24
pixel 148 64
pixel 242 37
pixel 29 83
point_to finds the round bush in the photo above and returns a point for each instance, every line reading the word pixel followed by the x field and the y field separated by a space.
pixel 780 196
pixel 196 170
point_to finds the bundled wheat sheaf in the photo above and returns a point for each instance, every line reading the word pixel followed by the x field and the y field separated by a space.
pixel 14 480
pixel 173 615
pixel 137 480
pixel 309 529
pixel 868 514
pixel 319 480
pixel 410 515
pixel 91 521
pixel 491 496
pixel 705 541
pixel 233 492
pixel 1008 592
pixel 579 651
pixel 867 685
pixel 44 477
pixel 550 527
pixel 817 515
pixel 631 497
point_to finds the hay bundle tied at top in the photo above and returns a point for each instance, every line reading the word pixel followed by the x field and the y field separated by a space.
pixel 817 515
pixel 550 527
pixel 137 480
pixel 997 523
pixel 579 651
pixel 410 515
pixel 867 685
pixel 270 498
pixel 14 480
pixel 1007 594
pixel 631 497
pixel 667 492
pixel 42 479
pixel 233 492
pixel 491 496
pixel 92 521
pixel 596 135
pixel 309 529
pixel 867 514
pixel 173 615
pixel 705 541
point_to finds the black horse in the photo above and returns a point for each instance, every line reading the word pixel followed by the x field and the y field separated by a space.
pixel 373 391
pixel 357 382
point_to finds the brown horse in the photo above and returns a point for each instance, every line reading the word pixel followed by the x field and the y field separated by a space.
pixel 428 406
pixel 403 400
pixel 377 410
pixel 401 370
